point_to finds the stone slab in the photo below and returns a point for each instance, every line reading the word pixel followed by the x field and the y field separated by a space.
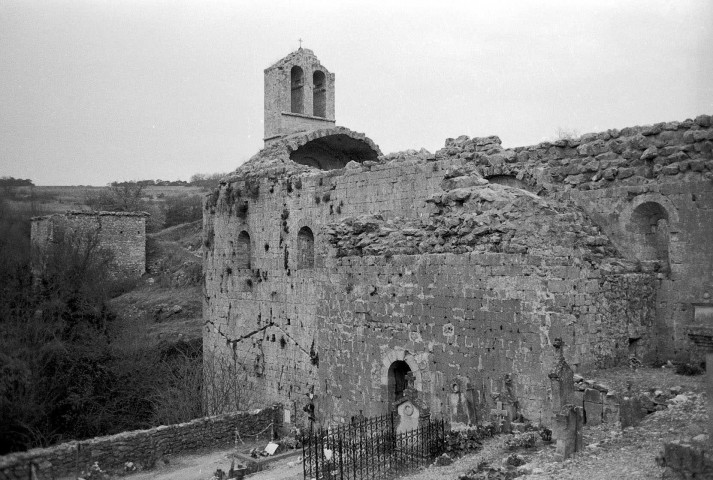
pixel 593 396
pixel 593 413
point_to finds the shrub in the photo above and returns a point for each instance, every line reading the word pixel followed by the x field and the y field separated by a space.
pixel 182 209
pixel 689 369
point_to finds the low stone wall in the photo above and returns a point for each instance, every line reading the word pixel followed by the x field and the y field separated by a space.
pixel 142 447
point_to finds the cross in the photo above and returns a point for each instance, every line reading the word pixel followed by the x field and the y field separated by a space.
pixel 501 416
pixel 300 40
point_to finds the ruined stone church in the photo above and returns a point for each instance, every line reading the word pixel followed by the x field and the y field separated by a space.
pixel 332 271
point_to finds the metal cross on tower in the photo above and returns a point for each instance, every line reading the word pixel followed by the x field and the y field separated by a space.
pixel 300 40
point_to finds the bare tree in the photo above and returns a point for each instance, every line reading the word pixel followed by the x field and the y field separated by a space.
pixel 118 197
pixel 224 385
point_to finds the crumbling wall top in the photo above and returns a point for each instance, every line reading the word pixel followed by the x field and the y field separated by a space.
pixel 277 156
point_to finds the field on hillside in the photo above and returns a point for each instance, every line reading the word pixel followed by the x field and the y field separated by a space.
pixel 165 305
pixel 57 199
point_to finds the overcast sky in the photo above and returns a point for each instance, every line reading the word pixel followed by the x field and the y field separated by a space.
pixel 93 91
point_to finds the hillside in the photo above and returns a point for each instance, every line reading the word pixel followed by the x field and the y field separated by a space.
pixel 58 199
pixel 165 305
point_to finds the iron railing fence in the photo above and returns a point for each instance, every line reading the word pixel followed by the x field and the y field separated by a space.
pixel 370 449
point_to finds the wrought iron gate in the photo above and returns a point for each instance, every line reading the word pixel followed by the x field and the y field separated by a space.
pixel 370 449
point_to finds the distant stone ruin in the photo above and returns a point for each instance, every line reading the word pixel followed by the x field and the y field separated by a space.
pixel 333 270
pixel 121 234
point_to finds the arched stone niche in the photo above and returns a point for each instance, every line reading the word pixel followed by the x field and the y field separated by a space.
pixel 305 248
pixel 242 252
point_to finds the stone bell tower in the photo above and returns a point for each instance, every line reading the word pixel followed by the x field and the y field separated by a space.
pixel 299 95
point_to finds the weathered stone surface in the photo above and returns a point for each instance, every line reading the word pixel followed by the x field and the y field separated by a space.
pixel 687 459
pixel 594 413
pixel 416 259
pixel 592 395
pixel 569 425
pixel 121 234
pixel 610 412
pixel 630 412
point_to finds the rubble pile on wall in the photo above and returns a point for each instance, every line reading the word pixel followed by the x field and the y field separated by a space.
pixel 480 218
pixel 628 157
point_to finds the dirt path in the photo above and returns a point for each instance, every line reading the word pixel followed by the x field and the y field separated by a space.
pixel 202 467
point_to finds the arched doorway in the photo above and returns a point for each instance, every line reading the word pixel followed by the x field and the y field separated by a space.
pixel 397 380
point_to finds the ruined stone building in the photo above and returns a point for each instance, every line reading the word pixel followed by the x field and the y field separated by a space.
pixel 335 270
pixel 121 234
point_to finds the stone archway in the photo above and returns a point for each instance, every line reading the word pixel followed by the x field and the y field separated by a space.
pixel 400 361
pixel 397 380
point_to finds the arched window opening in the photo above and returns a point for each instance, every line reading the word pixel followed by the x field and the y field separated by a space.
pixel 319 94
pixel 305 248
pixel 242 257
pixel 297 89
pixel 649 225
pixel 397 380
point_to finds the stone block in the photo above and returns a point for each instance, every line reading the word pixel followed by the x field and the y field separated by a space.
pixel 593 396
pixel 630 412
pixel 610 412
pixel 568 428
pixel 593 413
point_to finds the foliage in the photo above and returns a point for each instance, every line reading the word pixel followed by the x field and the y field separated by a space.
pixel 521 440
pixel 131 197
pixel 61 375
pixel 206 180
pixel 118 197
pixel 15 182
pixel 182 209
pixel 689 369
pixel 224 384
pixel 180 398
pixel 53 345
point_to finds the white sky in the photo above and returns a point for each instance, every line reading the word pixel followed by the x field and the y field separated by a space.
pixel 93 91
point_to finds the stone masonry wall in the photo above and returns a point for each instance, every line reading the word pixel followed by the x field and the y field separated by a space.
pixel 294 331
pixel 470 319
pixel 141 447
pixel 609 174
pixel 122 234
pixel 263 318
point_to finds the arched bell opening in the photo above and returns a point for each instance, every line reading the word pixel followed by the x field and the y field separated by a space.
pixel 319 94
pixel 297 90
